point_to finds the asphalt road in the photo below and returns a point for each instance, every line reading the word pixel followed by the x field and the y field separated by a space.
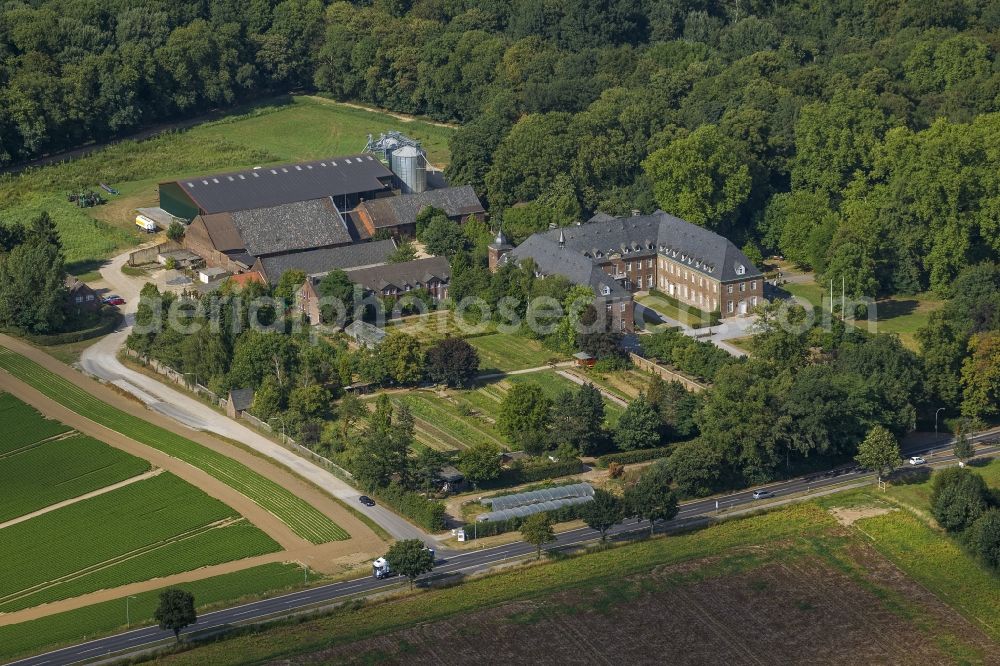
pixel 467 562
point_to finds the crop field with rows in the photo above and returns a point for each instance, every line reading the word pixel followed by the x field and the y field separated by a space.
pixel 60 469
pixel 303 518
pixel 151 528
pixel 442 425
pixel 23 426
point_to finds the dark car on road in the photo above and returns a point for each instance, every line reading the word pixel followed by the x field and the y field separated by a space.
pixel 367 501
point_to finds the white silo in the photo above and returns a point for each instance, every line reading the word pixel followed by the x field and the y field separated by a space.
pixel 409 163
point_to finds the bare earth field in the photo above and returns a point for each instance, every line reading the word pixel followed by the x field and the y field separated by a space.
pixel 751 607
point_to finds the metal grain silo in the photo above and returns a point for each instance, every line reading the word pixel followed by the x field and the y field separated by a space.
pixel 409 163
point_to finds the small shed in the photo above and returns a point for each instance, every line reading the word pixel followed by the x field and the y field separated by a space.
pixel 207 275
pixel 583 360
pixel 239 401
pixel 452 479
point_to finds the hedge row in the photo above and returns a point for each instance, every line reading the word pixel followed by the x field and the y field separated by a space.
pixel 110 318
pixel 529 473
pixel 636 456
pixel 429 514
pixel 491 527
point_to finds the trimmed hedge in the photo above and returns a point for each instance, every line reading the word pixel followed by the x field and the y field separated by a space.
pixel 429 514
pixel 110 318
pixel 636 456
pixel 520 473
pixel 489 528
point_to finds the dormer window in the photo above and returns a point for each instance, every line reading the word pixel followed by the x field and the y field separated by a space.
pixel 684 257
pixel 605 290
pixel 599 254
pixel 741 269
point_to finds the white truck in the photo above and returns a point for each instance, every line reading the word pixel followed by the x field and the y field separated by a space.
pixel 147 224
pixel 381 568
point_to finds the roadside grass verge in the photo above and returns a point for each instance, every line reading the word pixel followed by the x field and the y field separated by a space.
pixel 151 528
pixel 938 563
pixel 58 470
pixel 603 566
pixel 23 425
pixel 88 623
pixel 303 518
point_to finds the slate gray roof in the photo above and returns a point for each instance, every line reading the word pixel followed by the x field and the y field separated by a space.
pixel 293 226
pixel 275 185
pixel 700 249
pixel 402 275
pixel 553 259
pixel 241 398
pixel 395 211
pixel 324 260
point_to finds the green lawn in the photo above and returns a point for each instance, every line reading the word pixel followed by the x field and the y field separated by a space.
pixel 287 130
pixel 503 352
pixel 58 470
pixel 303 518
pixel 441 424
pixel 686 314
pixel 155 527
pixel 91 621
pixel 23 425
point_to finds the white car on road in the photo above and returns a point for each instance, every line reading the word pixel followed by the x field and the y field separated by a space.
pixel 917 460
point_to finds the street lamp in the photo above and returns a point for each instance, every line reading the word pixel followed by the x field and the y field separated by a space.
pixel 936 421
pixel 128 620
pixel 283 437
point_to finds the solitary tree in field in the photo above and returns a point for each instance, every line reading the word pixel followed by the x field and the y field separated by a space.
pixel 176 611
pixel 603 512
pixel 537 530
pixel 879 452
pixel 409 558
pixel 651 498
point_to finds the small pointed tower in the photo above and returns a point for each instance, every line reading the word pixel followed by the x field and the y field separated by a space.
pixel 497 249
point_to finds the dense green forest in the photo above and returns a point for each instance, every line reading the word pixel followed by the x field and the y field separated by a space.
pixel 854 137
pixel 859 138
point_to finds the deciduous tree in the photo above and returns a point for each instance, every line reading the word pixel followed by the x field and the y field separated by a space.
pixel 603 512
pixel 175 611
pixel 537 530
pixel 879 451
pixel 410 558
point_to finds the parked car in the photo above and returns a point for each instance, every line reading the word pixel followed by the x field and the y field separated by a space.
pixel 113 300
pixel 761 494
pixel 917 460
pixel 367 501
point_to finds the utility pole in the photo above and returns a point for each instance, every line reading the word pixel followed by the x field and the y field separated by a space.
pixel 128 619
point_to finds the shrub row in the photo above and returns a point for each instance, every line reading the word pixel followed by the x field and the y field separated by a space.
pixel 491 527
pixel 110 318
pixel 520 472
pixel 637 456
pixel 429 514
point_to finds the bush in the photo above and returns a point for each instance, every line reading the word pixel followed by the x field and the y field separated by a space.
pixel 531 472
pixel 958 497
pixel 631 457
pixel 426 513
pixel 985 537
pixel 109 320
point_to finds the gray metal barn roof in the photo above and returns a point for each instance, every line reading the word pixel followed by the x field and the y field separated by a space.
pixel 322 261
pixel 275 185
pixel 300 225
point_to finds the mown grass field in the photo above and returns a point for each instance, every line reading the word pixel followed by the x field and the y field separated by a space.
pixel 284 130
pixel 23 425
pixel 812 579
pixel 303 518
pixel 60 469
pixel 686 314
pixel 503 352
pixel 155 527
pixel 106 617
